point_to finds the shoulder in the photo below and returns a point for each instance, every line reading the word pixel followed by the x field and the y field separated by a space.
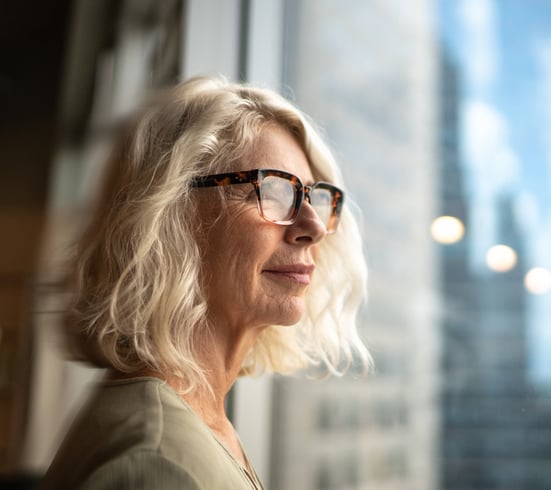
pixel 140 434
pixel 141 470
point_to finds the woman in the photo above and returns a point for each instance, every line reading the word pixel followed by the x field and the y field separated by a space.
pixel 220 247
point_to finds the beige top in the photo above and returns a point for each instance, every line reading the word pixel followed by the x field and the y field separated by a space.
pixel 140 434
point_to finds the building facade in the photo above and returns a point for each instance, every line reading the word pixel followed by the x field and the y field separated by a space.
pixel 366 72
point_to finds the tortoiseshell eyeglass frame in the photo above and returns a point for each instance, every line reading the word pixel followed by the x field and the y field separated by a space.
pixel 302 192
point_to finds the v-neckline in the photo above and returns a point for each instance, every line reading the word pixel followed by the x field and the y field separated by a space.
pixel 248 470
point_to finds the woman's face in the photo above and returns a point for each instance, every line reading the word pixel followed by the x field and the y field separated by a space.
pixel 257 273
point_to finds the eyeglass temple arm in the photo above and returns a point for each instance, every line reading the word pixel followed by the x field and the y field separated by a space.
pixel 244 177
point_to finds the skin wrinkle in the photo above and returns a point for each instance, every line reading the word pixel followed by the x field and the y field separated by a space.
pixel 240 247
pixel 247 214
pixel 213 290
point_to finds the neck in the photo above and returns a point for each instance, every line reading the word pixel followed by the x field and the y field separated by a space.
pixel 221 355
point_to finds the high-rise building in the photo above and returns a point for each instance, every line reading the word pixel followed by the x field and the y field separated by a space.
pixel 365 71
pixel 495 427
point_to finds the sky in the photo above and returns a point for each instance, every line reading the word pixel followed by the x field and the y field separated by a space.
pixel 503 51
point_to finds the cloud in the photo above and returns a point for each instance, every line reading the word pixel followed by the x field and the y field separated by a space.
pixel 493 163
pixel 480 53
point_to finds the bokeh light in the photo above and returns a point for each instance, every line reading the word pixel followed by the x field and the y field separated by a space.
pixel 538 280
pixel 501 258
pixel 447 230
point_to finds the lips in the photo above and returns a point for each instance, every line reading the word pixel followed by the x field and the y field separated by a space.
pixel 297 273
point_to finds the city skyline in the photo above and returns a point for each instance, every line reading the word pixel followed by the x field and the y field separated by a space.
pixel 503 52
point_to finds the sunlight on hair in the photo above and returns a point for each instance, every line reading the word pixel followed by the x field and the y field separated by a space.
pixel 501 258
pixel 447 230
pixel 538 280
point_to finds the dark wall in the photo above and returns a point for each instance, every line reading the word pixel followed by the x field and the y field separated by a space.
pixel 32 46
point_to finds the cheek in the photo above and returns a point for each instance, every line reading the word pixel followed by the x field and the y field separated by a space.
pixel 229 255
pixel 234 279
pixel 241 234
pixel 238 243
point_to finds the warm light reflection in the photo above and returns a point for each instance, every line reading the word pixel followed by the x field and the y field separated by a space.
pixel 501 258
pixel 538 280
pixel 447 230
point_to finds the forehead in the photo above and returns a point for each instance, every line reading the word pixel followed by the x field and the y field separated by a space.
pixel 277 148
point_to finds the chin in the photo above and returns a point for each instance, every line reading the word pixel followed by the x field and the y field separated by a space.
pixel 292 317
pixel 284 311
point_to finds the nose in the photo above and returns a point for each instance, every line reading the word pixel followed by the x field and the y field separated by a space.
pixel 308 227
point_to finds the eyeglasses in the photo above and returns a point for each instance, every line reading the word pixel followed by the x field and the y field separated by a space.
pixel 280 195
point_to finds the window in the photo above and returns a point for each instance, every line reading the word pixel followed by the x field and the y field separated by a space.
pixel 433 109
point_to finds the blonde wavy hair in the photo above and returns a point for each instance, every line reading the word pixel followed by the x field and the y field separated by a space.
pixel 137 298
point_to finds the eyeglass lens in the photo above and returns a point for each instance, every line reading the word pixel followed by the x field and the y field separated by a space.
pixel 322 202
pixel 278 200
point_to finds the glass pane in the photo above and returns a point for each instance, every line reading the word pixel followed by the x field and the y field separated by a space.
pixel 440 116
